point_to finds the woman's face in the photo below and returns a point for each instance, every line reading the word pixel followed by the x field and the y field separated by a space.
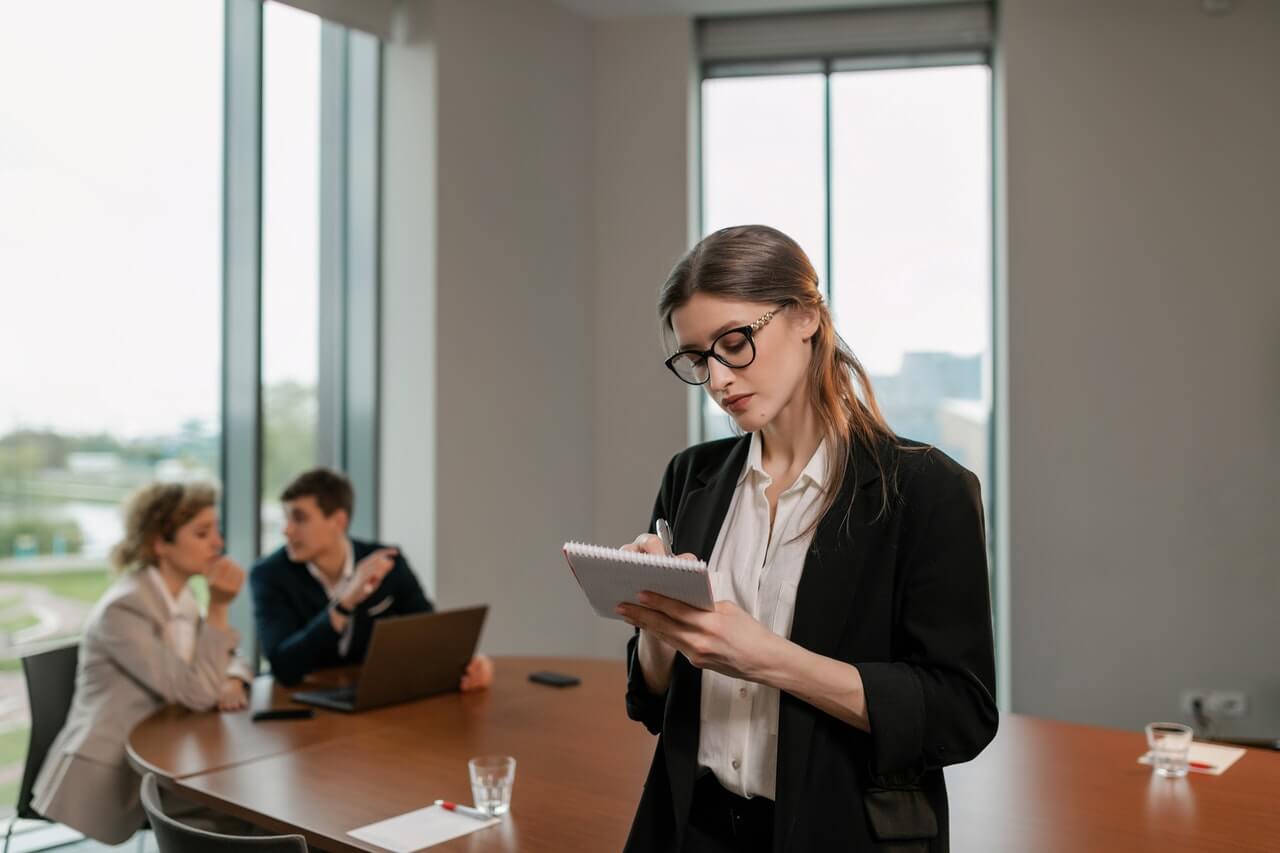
pixel 196 546
pixel 752 395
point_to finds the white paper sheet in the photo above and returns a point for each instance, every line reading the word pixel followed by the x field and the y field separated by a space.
pixel 418 829
pixel 1216 758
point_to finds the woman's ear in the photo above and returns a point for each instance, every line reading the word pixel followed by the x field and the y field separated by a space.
pixel 807 321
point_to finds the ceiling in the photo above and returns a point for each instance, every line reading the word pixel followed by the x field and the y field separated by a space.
pixel 651 8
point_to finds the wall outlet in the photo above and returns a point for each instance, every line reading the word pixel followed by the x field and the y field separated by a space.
pixel 1216 704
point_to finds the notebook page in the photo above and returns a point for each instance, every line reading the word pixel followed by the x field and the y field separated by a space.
pixel 610 576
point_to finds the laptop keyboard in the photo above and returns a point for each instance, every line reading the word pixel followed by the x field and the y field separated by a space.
pixel 342 694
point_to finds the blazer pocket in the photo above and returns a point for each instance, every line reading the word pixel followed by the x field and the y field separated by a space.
pixel 900 813
pixel 381 606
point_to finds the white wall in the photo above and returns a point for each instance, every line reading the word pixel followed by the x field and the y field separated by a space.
pixel 407 451
pixel 1144 356
pixel 530 335
pixel 643 86
pixel 1143 340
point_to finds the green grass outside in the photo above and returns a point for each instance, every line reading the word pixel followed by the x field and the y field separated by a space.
pixel 13 751
pixel 85 586
pixel 13 746
pixel 18 622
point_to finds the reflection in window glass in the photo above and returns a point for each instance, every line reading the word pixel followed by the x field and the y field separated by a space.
pixel 290 253
pixel 763 162
pixel 911 254
pixel 110 330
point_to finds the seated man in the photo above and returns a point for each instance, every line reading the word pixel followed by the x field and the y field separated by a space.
pixel 316 598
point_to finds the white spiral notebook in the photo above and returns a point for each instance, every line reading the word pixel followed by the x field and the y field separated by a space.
pixel 610 576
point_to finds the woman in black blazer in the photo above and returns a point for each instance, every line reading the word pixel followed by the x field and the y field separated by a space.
pixel 828 730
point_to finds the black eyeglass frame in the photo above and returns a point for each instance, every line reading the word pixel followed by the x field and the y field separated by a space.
pixel 747 331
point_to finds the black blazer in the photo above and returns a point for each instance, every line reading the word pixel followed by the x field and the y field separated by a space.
pixel 292 612
pixel 904 598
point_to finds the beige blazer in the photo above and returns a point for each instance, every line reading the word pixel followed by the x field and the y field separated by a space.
pixel 127 671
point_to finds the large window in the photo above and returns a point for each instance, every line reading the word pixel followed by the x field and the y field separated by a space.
pixel 290 253
pixel 110 257
pixel 884 178
pixel 161 276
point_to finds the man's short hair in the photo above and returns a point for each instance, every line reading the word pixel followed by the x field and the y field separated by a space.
pixel 331 489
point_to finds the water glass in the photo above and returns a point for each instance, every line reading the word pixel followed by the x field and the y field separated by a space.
pixel 1170 744
pixel 491 780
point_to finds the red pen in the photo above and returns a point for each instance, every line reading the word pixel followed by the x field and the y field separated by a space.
pixel 1200 765
pixel 466 810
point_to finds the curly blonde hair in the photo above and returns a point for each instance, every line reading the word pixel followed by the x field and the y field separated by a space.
pixel 156 511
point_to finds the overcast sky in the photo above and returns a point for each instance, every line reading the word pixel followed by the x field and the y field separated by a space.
pixel 110 211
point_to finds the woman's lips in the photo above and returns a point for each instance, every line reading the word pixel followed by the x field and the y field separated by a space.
pixel 738 402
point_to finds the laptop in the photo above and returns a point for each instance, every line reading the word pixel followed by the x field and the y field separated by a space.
pixel 409 657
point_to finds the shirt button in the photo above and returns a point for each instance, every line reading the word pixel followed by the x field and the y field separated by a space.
pixel 742 691
pixel 736 764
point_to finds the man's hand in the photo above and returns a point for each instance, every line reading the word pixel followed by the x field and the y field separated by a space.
pixel 479 674
pixel 232 696
pixel 368 577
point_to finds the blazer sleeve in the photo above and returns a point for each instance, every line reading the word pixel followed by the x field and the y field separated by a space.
pixel 129 638
pixel 642 705
pixel 293 646
pixel 934 704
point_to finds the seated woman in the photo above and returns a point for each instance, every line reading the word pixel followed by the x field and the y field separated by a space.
pixel 145 645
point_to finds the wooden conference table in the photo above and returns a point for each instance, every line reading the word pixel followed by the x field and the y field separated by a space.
pixel 1040 786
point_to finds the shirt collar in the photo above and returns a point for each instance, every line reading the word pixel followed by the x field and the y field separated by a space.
pixel 815 471
pixel 183 606
pixel 348 569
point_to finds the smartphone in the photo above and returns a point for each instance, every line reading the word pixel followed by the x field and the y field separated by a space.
pixel 283 714
pixel 554 679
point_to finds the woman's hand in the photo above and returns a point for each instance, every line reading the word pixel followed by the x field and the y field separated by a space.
pixel 232 696
pixel 225 579
pixel 727 640
pixel 656 657
pixel 479 674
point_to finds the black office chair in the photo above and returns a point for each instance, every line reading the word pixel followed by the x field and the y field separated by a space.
pixel 175 837
pixel 51 682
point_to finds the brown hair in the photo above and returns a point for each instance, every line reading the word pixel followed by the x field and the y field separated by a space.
pixel 331 489
pixel 756 263
pixel 157 511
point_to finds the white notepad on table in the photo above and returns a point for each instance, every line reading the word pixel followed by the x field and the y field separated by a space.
pixel 610 576
pixel 1211 758
pixel 418 829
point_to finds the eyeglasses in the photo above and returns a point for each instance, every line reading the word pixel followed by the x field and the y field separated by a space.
pixel 734 348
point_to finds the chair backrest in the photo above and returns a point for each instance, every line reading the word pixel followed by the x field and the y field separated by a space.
pixel 51 683
pixel 175 837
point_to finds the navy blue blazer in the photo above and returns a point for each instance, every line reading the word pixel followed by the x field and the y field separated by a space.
pixel 903 596
pixel 292 612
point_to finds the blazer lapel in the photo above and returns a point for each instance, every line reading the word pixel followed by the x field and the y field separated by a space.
pixel 823 602
pixel 703 508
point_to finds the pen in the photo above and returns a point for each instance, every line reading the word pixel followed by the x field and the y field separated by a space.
pixel 1200 765
pixel 466 810
pixel 664 533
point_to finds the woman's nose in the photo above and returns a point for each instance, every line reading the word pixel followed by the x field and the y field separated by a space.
pixel 720 376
